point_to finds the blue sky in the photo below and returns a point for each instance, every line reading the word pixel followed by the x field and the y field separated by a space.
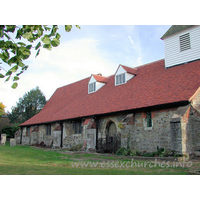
pixel 92 49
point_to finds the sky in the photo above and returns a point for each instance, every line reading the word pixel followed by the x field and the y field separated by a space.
pixel 90 50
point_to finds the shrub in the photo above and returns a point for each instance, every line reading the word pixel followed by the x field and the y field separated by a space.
pixel 128 152
pixel 10 130
pixel 161 153
pixel 77 147
pixel 121 151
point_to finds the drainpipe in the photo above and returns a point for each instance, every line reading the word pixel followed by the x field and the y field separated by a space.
pixel 21 136
pixel 97 133
pixel 61 143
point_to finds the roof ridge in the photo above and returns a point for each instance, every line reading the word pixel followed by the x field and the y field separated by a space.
pixel 175 29
pixel 149 63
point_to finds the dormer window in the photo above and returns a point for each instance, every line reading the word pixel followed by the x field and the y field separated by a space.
pixel 96 82
pixel 120 79
pixel 124 74
pixel 92 87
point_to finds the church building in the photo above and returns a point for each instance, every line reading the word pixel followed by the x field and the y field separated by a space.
pixel 153 106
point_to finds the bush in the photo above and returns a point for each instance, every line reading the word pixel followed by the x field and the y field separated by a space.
pixel 10 130
pixel 159 153
pixel 78 147
pixel 127 152
pixel 121 151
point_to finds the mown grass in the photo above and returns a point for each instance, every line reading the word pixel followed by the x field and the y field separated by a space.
pixel 25 160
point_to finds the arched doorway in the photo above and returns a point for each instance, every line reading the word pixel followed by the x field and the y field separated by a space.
pixel 113 139
pixel 111 131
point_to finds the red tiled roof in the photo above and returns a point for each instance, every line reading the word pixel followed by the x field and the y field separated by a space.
pixel 153 85
pixel 99 78
pixel 130 70
pixel 86 121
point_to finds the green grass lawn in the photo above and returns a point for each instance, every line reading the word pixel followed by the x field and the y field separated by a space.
pixel 25 160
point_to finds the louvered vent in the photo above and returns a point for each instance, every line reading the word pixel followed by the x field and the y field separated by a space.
pixel 185 42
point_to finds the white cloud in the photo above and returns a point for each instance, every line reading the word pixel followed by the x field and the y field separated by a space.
pixel 137 47
pixel 131 40
pixel 70 62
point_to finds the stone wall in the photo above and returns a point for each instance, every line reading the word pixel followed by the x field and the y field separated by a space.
pixel 175 129
pixel 36 136
pixel 176 137
pixel 56 139
pixel 131 127
pixel 69 138
pixel 25 137
pixel 150 139
pixel 137 135
pixel 193 131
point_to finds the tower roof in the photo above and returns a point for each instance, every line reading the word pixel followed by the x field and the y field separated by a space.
pixel 175 29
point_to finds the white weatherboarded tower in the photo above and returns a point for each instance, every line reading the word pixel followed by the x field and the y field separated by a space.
pixel 182 44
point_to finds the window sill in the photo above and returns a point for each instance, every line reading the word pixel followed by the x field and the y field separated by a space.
pixel 148 128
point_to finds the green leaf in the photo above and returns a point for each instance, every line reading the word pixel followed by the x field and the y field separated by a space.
pixel 47 28
pixel 16 78
pixel 27 35
pixel 10 28
pixel 58 36
pixel 47 46
pixel 20 63
pixel 14 85
pixel 8 78
pixel 19 34
pixel 29 46
pixel 1 33
pixel 12 60
pixel 77 26
pixel 25 67
pixel 8 73
pixel 21 43
pixel 55 42
pixel 14 69
pixel 4 56
pixel 46 39
pixel 2 76
pixel 53 31
pixel 68 28
pixel 38 46
pixel 40 31
pixel 37 52
pixel 23 52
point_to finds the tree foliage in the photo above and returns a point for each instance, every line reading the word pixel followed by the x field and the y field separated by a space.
pixel 16 43
pixel 31 104
pixel 10 130
pixel 2 109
